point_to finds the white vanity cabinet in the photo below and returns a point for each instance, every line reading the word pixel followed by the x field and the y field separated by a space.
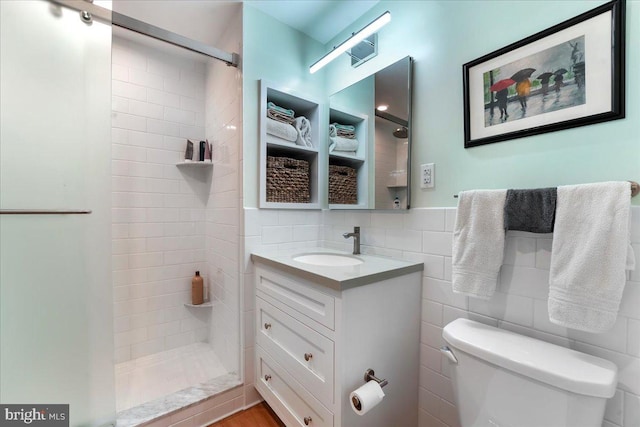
pixel 316 337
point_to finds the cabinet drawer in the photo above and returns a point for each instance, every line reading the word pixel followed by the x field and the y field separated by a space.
pixel 288 398
pixel 302 298
pixel 291 343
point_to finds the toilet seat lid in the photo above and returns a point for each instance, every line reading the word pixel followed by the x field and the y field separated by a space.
pixel 549 363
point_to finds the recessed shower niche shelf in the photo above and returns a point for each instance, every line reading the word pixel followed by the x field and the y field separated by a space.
pixel 207 304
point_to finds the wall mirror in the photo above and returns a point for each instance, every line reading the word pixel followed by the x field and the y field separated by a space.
pixel 370 141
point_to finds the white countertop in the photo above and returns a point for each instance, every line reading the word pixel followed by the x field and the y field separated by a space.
pixel 373 268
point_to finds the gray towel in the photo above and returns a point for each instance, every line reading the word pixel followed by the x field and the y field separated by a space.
pixel 530 210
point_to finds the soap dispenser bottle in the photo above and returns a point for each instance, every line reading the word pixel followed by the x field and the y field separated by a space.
pixel 197 289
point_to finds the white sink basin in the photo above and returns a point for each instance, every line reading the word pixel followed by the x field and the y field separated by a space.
pixel 328 260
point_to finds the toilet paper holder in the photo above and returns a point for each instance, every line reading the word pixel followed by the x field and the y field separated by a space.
pixel 369 375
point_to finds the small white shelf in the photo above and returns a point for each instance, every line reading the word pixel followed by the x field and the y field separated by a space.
pixel 195 164
pixel 349 157
pixel 291 147
pixel 207 304
pixel 347 207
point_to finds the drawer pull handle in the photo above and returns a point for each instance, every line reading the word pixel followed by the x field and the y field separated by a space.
pixel 307 357
pixel 307 420
pixel 267 377
pixel 267 325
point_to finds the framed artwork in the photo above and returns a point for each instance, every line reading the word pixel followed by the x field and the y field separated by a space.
pixel 566 76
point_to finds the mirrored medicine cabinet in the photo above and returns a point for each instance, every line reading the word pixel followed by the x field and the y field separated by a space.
pixel 370 141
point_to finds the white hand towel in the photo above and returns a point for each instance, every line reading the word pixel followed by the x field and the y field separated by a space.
pixel 478 242
pixel 631 256
pixel 589 255
pixel 303 126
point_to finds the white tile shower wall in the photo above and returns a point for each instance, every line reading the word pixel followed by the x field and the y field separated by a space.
pixel 519 305
pixel 158 210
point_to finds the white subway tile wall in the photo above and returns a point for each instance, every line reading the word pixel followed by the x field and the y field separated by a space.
pixel 519 305
pixel 158 210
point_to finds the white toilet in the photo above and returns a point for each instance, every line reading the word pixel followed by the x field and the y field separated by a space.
pixel 502 379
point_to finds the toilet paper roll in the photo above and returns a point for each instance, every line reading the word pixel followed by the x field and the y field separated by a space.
pixel 364 398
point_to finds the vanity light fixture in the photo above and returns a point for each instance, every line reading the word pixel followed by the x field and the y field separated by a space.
pixel 355 38
pixel 382 107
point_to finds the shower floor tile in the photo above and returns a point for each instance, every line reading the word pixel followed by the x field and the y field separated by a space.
pixel 157 375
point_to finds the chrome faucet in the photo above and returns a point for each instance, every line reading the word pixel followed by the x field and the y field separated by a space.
pixel 356 239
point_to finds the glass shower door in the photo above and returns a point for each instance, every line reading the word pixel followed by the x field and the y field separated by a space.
pixel 56 332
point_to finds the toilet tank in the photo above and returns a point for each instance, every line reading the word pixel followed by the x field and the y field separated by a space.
pixel 503 379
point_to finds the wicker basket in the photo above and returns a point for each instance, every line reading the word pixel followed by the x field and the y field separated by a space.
pixel 287 180
pixel 343 185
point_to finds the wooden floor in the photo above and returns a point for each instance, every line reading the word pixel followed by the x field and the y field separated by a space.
pixel 256 416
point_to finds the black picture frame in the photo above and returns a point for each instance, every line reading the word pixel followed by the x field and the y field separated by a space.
pixel 584 100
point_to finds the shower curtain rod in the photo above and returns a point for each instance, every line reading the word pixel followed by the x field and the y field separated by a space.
pixel 141 27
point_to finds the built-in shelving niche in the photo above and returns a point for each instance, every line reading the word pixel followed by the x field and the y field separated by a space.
pixel 359 161
pixel 271 146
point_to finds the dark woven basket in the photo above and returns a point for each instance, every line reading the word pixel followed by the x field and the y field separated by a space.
pixel 287 180
pixel 343 185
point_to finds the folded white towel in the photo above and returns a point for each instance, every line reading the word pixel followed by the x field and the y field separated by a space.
pixel 272 139
pixel 478 242
pixel 282 130
pixel 303 127
pixel 338 143
pixel 589 255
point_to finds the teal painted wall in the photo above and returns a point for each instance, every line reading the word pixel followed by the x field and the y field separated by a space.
pixel 441 36
pixel 277 53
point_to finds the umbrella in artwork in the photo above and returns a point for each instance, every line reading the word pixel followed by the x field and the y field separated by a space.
pixel 544 76
pixel 502 84
pixel 523 74
pixel 561 71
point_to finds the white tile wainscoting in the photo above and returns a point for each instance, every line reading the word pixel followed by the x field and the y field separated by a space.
pixel 519 305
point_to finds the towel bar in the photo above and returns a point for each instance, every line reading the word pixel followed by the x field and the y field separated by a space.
pixel 635 189
pixel 44 212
